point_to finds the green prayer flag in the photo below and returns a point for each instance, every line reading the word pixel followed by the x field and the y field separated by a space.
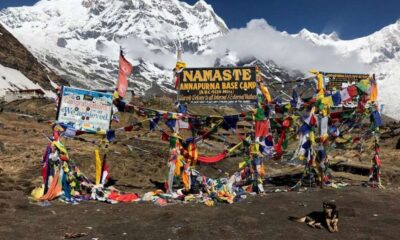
pixel 285 144
pixel 260 115
pixel 362 87
pixel 172 142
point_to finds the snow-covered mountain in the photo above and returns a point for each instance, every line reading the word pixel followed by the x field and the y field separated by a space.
pixel 81 38
pixel 380 50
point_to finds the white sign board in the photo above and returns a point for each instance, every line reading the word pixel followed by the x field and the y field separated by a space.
pixel 85 110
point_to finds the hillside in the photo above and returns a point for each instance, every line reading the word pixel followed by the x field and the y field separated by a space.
pixel 17 62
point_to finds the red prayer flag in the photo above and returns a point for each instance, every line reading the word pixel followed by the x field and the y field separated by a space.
pixel 105 173
pixel 125 69
pixel 128 128
pixel 176 81
pixel 278 146
pixel 311 120
pixel 213 159
pixel 164 136
pixel 262 128
pixel 377 160
pixel 352 91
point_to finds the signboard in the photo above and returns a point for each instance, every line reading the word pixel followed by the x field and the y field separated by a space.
pixel 85 110
pixel 336 80
pixel 217 85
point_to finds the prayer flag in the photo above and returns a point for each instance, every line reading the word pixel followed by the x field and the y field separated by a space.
pixel 262 128
pixel 374 89
pixel 105 173
pixel 125 69
pixel 352 90
pixel 336 98
pixel 98 166
pixel 344 95
pixel 324 127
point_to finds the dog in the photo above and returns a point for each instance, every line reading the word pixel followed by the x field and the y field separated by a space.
pixel 328 218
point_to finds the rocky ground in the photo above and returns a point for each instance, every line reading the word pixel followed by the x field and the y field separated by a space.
pixel 365 213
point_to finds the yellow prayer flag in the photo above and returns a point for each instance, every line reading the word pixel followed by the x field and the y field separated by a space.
pixel 179 65
pixel 242 164
pixel 60 147
pixel 312 137
pixel 265 92
pixel 186 180
pixel 98 166
pixel 325 111
pixel 327 101
pixel 320 83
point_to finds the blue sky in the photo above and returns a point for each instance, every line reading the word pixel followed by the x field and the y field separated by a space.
pixel 349 18
pixel 13 3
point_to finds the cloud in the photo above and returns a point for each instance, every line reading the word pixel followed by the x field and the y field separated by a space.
pixel 135 48
pixel 260 40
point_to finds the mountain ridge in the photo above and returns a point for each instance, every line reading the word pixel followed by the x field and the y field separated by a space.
pixel 80 40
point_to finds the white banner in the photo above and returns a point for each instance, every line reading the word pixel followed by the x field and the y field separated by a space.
pixel 85 110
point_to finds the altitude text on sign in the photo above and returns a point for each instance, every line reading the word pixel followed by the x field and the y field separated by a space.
pixel 218 85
